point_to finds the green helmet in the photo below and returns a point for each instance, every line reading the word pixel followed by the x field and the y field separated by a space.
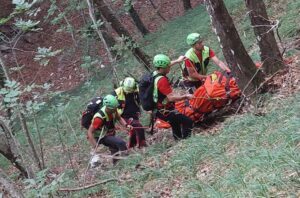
pixel 129 85
pixel 161 60
pixel 192 38
pixel 110 101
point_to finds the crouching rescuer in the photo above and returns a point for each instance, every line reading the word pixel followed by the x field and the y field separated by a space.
pixel 165 98
pixel 102 128
pixel 129 109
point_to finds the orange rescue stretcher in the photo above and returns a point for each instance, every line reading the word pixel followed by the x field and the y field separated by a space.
pixel 215 93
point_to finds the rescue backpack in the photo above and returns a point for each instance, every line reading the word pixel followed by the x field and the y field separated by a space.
pixel 146 88
pixel 93 107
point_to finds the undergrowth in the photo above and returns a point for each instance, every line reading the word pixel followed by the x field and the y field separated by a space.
pixel 250 156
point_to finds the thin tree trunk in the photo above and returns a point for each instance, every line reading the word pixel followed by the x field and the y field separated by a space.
pixel 4 73
pixel 9 147
pixel 69 27
pixel 40 141
pixel 4 76
pixel 248 77
pixel 110 57
pixel 65 151
pixel 263 29
pixel 9 186
pixel 157 11
pixel 137 20
pixel 110 40
pixel 5 150
pixel 187 5
pixel 105 10
pixel 29 139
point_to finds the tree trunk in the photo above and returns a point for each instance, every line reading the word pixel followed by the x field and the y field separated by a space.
pixel 8 149
pixel 3 71
pixel 137 20
pixel 9 186
pixel 109 54
pixel 105 32
pixel 105 10
pixel 248 77
pixel 29 139
pixel 2 78
pixel 187 4
pixel 263 29
pixel 157 10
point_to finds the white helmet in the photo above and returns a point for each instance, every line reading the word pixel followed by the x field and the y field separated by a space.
pixel 129 85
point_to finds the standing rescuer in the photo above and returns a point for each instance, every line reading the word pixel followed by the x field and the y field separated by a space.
pixel 194 68
pixel 102 128
pixel 129 109
pixel 164 98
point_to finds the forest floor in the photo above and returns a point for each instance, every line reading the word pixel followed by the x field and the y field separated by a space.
pixel 64 71
pixel 147 171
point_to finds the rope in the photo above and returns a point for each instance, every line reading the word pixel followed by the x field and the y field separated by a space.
pixel 209 98
pixel 94 151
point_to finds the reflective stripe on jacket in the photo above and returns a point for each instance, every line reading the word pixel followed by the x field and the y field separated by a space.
pixel 121 97
pixel 201 67
pixel 155 90
pixel 108 124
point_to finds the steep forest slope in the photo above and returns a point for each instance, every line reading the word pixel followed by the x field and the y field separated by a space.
pixel 250 154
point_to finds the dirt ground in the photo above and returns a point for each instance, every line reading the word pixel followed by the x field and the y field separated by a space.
pixel 64 71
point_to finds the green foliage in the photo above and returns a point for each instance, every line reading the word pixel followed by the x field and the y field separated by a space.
pixel 32 107
pixel 98 24
pixel 4 163
pixel 88 63
pixel 124 46
pixel 121 191
pixel 290 24
pixel 59 16
pixel 10 93
pixel 53 8
pixel 44 54
pixel 17 68
pixel 21 6
pixel 4 20
pixel 28 25
pixel 127 5
pixel 249 157
pixel 40 186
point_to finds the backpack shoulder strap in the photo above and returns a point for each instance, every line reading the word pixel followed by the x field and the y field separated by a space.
pixel 156 74
pixel 155 89
pixel 101 114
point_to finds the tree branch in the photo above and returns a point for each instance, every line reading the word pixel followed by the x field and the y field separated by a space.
pixel 87 186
